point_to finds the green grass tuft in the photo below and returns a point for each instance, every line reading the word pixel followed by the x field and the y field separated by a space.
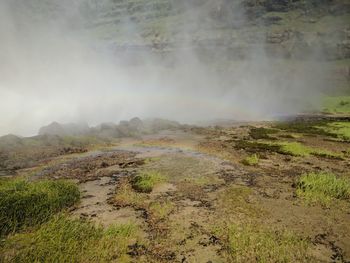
pixel 127 196
pixel 146 181
pixel 248 243
pixel 24 203
pixel 323 187
pixel 251 160
pixel 161 210
pixel 70 240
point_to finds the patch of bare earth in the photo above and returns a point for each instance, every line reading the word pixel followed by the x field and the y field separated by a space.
pixel 206 188
pixel 272 185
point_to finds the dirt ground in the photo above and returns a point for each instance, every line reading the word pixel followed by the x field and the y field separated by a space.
pixel 207 188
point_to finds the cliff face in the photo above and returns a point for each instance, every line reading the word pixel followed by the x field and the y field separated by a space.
pixel 287 28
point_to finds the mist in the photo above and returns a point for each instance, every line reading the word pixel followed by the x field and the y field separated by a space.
pixel 53 69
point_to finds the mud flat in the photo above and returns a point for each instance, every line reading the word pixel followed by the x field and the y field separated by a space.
pixel 211 194
pixel 205 188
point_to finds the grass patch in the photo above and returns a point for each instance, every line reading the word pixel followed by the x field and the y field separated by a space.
pixel 339 104
pixel 152 159
pixel 160 210
pixel 126 196
pixel 340 130
pixel 70 240
pixel 298 149
pixel 234 202
pixel 262 133
pixel 322 187
pixel 290 148
pixel 290 136
pixel 205 180
pixel 247 243
pixel 146 181
pixel 24 203
pixel 251 160
pixel 304 127
pixel 294 149
pixel 253 146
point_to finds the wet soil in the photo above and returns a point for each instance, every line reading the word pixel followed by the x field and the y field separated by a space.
pixel 200 166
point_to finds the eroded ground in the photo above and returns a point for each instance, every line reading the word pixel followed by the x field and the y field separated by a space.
pixel 204 193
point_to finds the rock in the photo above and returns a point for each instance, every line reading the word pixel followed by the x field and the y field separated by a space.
pixel 10 140
pixel 106 130
pixel 343 49
pixel 136 124
pixel 161 124
pixel 71 129
pixel 339 9
pixel 270 20
pixel 278 36
pixel 277 5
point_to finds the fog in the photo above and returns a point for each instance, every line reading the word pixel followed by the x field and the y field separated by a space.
pixel 53 69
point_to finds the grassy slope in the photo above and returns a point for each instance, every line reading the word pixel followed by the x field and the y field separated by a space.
pixel 25 204
pixel 340 104
pixel 18 152
pixel 63 239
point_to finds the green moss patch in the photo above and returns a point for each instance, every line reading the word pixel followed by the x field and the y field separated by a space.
pixel 146 181
pixel 251 160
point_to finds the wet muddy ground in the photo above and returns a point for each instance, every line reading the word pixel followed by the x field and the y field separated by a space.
pixel 206 188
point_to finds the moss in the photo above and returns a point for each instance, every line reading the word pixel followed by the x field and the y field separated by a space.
pixel 251 160
pixel 146 181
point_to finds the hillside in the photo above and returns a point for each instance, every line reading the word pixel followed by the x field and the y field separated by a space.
pixel 240 151
pixel 287 28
